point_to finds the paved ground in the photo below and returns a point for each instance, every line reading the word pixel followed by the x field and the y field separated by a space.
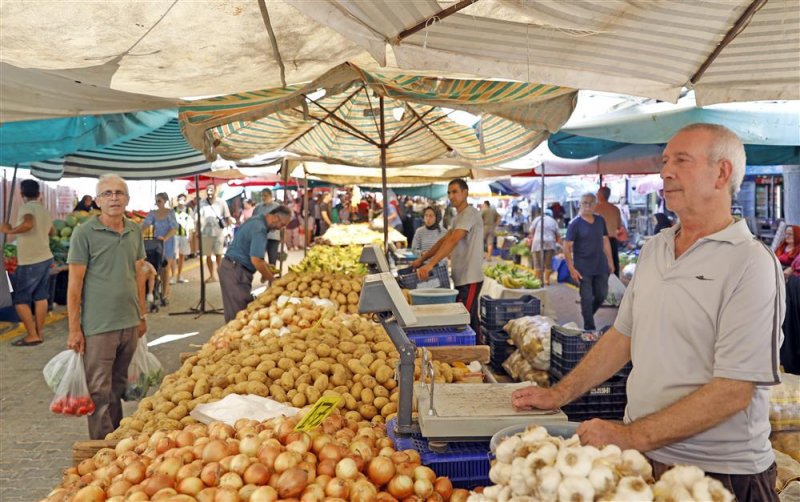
pixel 35 445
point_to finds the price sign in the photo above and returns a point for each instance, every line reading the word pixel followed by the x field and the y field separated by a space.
pixel 318 413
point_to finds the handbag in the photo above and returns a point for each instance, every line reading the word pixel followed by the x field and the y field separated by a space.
pixel 220 221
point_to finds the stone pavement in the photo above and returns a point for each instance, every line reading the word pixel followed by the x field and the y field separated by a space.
pixel 36 445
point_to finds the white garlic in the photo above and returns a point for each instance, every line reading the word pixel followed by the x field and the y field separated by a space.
pixel 633 489
pixel 572 441
pixel 534 435
pixel 544 455
pixel 505 451
pixel 635 464
pixel 711 490
pixel 664 491
pixel 602 478
pixel 492 492
pixel 500 473
pixel 519 474
pixel 575 489
pixel 611 451
pixel 573 462
pixel 548 481
pixel 504 495
pixel 684 475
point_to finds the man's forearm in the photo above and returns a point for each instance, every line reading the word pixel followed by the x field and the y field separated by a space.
pixel 708 406
pixel 74 293
pixel 607 248
pixel 568 253
pixel 432 251
pixel 141 289
pixel 261 266
pixel 611 352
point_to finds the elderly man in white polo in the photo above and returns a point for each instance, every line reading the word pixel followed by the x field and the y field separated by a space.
pixel 701 322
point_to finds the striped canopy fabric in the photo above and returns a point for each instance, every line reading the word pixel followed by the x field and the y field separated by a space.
pixel 160 154
pixel 344 125
pixel 727 50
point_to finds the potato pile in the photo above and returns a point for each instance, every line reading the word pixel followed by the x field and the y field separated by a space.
pixel 342 289
pixel 346 356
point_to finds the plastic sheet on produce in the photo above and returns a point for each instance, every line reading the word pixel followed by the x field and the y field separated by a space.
pixel 235 406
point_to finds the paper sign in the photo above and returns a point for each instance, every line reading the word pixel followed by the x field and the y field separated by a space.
pixel 318 413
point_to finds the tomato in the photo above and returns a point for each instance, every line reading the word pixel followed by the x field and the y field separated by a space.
pixel 56 407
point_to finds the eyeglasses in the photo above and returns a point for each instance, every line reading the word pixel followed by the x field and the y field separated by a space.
pixel 108 194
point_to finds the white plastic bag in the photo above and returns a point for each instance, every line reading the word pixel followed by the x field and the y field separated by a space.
pixel 235 406
pixel 72 394
pixel 145 371
pixel 616 290
pixel 56 367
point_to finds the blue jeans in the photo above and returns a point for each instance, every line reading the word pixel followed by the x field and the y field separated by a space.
pixel 31 283
pixel 594 289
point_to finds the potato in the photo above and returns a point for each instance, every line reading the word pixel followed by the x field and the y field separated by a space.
pixel 287 381
pixel 389 409
pixel 383 374
pixel 257 388
pixel 285 363
pixel 323 350
pixel 299 400
pixel 277 393
pixel 251 360
pixel 181 396
pixel 178 412
pixel 322 366
pixel 356 367
pixel 275 373
pixel 321 383
pixel 380 402
pixel 368 381
pixel 367 396
pixel 339 378
pixel 257 376
pixel 313 394
pixel 367 411
pixel 356 388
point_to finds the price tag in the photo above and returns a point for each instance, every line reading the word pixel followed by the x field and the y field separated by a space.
pixel 319 412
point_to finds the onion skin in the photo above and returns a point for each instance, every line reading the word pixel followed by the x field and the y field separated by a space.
pixel 381 470
pixel 156 483
pixel 401 486
pixel 337 488
pixel 444 487
pixel 459 495
pixel 190 486
pixel 257 474
pixel 423 472
pixel 264 494
pixel 292 482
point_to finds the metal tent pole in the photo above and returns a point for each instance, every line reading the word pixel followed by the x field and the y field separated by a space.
pixel 383 180
pixel 306 240
pixel 10 200
pixel 285 173
pixel 541 229
pixel 200 308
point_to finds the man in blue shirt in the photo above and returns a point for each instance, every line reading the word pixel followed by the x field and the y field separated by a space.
pixel 245 256
pixel 266 205
pixel 588 254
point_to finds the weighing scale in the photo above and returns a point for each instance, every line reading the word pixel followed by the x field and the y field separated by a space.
pixel 446 412
pixel 372 255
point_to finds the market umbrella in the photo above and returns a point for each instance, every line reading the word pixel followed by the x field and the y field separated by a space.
pixel 354 117
pixel 728 50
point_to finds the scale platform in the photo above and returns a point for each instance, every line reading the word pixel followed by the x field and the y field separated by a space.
pixel 474 412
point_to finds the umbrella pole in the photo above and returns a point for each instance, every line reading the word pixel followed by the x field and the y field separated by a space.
pixel 200 308
pixel 285 173
pixel 10 200
pixel 384 190
pixel 307 241
pixel 541 229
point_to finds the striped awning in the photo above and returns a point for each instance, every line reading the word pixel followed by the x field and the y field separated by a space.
pixel 727 50
pixel 160 154
pixel 343 125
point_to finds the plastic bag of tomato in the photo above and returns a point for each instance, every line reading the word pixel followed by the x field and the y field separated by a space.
pixel 72 394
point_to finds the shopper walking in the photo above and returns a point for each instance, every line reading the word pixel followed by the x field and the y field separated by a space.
pixel 31 280
pixel 701 322
pixel 165 226
pixel 588 254
pixel 543 243
pixel 215 217
pixel 266 206
pixel 184 215
pixel 105 301
pixel 613 219
pixel 490 221
pixel 464 244
pixel 245 256
pixel 325 212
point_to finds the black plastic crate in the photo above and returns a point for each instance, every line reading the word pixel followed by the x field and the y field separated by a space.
pixel 438 278
pixel 496 312
pixel 499 348
pixel 606 401
pixel 567 348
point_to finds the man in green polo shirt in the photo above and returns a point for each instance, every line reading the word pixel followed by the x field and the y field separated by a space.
pixel 105 301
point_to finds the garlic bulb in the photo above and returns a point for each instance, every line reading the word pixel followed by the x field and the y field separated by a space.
pixel 711 490
pixel 544 455
pixel 534 435
pixel 633 489
pixel 684 475
pixel 549 478
pixel 635 464
pixel 664 491
pixel 505 451
pixel 574 462
pixel 575 489
pixel 603 478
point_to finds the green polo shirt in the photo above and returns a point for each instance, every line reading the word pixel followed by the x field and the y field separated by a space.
pixel 110 295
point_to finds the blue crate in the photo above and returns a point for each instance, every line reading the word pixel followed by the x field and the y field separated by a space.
pixel 496 312
pixel 607 401
pixel 466 464
pixel 437 337
pixel 567 348
pixel 438 278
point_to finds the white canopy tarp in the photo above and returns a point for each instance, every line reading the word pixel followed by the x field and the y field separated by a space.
pixel 653 48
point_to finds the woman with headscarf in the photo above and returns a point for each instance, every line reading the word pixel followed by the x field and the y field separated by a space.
pixel 428 234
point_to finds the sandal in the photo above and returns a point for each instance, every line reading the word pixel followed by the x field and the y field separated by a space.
pixel 23 343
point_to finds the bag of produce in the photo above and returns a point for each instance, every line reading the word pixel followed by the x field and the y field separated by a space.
pixel 784 404
pixel 531 335
pixel 56 367
pixel 616 290
pixel 145 371
pixel 72 393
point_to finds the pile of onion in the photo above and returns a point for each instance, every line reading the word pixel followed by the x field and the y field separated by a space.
pixel 342 460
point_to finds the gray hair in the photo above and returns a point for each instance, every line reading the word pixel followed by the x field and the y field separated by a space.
pixel 109 177
pixel 726 146
pixel 590 195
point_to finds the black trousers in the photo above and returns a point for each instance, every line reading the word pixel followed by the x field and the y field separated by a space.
pixel 615 253
pixel 593 289
pixel 790 350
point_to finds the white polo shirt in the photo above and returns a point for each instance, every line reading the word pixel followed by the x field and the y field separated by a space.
pixel 714 312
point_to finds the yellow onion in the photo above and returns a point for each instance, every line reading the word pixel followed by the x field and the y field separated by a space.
pixel 401 486
pixel 190 486
pixel 381 470
pixel 292 482
pixel 264 494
